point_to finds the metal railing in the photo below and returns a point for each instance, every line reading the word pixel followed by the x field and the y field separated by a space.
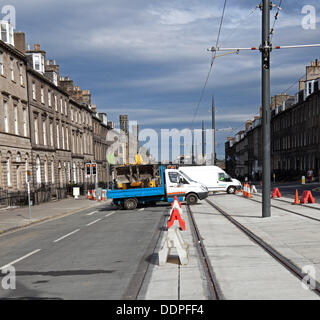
pixel 43 193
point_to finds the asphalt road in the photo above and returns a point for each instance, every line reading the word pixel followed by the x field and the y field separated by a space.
pixel 100 253
pixel 289 190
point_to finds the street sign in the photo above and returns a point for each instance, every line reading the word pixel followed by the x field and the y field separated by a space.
pixel 28 176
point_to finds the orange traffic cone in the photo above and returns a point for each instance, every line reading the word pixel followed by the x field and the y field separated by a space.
pixel 296 199
pixel 249 191
pixel 89 195
pixel 245 190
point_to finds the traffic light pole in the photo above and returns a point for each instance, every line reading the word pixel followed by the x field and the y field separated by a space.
pixel 266 113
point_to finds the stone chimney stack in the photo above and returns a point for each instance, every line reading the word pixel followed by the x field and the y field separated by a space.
pixel 66 84
pixel 248 124
pixel 20 41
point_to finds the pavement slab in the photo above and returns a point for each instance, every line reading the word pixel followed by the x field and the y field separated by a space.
pixel 243 269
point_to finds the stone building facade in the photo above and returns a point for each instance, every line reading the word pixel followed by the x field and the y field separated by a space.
pixel 15 146
pixel 47 125
pixel 295 135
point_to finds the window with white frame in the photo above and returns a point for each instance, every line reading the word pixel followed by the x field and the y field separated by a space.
pixel 38 62
pixel 55 78
pixel 58 136
pixel 71 114
pixel 62 136
pixel 7 32
pixel 9 172
pixel 38 170
pixel 65 108
pixel 25 133
pixel 20 66
pixel 55 103
pixel 33 90
pixel 1 63
pixel 36 130
pixel 42 95
pixel 49 98
pixel 51 134
pixel 4 34
pixel 45 167
pixel 67 137
pixel 44 132
pixel 52 171
pixel 6 115
pixel 15 119
pixel 61 105
pixel 12 68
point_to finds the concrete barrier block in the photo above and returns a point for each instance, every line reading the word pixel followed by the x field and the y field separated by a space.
pixel 174 240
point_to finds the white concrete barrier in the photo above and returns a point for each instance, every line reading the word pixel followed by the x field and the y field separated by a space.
pixel 254 189
pixel 174 240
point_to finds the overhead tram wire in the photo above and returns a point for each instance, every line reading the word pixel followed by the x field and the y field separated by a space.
pixel 275 20
pixel 211 65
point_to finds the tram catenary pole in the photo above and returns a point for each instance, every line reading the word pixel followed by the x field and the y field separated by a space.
pixel 265 48
pixel 266 113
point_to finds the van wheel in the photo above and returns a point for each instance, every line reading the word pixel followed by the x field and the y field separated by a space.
pixel 130 204
pixel 231 190
pixel 192 199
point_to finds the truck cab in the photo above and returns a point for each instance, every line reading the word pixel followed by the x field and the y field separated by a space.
pixel 180 185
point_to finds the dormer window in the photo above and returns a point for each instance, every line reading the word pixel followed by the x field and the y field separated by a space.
pixel 55 78
pixel 6 32
pixel 38 62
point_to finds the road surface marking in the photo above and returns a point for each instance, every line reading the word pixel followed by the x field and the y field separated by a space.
pixel 24 257
pixel 108 215
pixel 141 209
pixel 69 234
pixel 91 213
pixel 89 224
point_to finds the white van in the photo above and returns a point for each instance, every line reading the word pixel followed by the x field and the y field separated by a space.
pixel 213 177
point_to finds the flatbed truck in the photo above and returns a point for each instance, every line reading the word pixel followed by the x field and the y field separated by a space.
pixel 141 184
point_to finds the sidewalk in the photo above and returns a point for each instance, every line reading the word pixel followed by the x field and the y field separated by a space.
pixel 13 219
pixel 246 271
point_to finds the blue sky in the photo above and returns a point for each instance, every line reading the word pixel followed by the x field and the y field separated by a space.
pixel 148 58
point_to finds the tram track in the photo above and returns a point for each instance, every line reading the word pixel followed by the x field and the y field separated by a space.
pixel 289 265
pixel 213 286
pixel 289 211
